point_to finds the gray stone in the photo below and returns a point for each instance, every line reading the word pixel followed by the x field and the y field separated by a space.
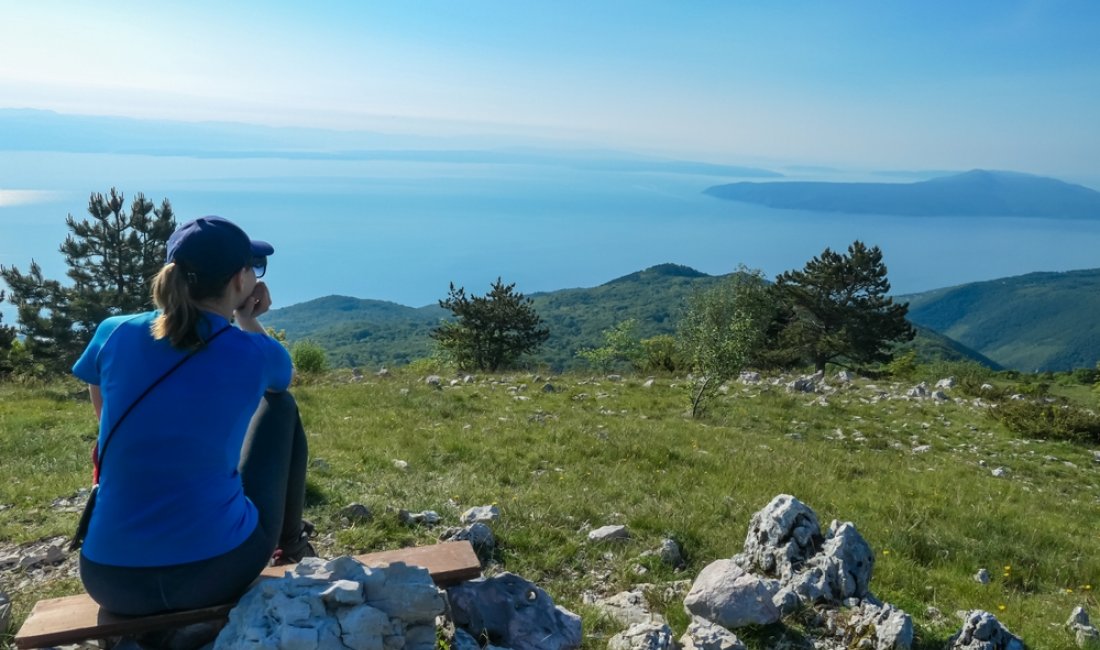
pixel 749 377
pixel 844 566
pixel 5 611
pixel 845 376
pixel 614 378
pixel 549 388
pixel 701 634
pixel 725 594
pixel 1000 472
pixel 919 391
pixel 435 381
pixel 947 383
pixel 478 534
pixel 1079 617
pixel 670 553
pixel 514 613
pixel 400 464
pixel 337 605
pixel 887 627
pixel 481 513
pixel 1087 637
pixel 649 383
pixel 627 608
pixel 643 636
pixel 427 517
pixel 357 512
pixel 608 533
pixel 982 576
pixel 781 538
pixel 801 385
pixel 982 631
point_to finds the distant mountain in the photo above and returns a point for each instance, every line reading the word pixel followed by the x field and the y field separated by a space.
pixel 976 193
pixel 1038 321
pixel 369 333
pixel 36 130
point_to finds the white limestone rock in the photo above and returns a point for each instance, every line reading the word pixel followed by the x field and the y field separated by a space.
pixel 628 608
pixel 481 514
pixel 608 533
pixel 337 605
pixel 886 626
pixel 781 538
pixel 725 594
pixel 701 634
pixel 982 631
pixel 643 636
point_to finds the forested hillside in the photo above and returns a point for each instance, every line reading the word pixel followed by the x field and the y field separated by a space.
pixel 370 333
pixel 1038 321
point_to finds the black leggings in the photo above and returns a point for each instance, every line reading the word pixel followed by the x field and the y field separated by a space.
pixel 273 469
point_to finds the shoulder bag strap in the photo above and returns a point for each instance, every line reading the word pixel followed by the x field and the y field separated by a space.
pixel 107 439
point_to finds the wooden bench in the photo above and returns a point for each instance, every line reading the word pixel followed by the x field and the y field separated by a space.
pixel 73 619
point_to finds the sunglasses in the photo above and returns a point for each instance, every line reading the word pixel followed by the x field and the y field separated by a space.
pixel 259 265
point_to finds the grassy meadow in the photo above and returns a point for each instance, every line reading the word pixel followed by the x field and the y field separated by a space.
pixel 597 451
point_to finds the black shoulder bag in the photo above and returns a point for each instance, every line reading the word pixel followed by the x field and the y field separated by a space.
pixel 86 516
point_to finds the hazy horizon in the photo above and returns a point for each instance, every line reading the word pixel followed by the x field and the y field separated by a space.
pixel 988 84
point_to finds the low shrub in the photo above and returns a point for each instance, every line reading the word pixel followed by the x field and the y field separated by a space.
pixel 1049 420
pixel 308 357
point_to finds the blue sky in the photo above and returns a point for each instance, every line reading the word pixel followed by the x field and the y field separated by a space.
pixel 1009 84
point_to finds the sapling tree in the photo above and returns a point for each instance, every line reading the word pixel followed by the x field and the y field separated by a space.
pixel 722 330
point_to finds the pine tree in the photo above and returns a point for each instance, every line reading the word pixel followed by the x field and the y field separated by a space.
pixel 112 258
pixel 7 338
pixel 42 311
pixel 839 311
pixel 491 331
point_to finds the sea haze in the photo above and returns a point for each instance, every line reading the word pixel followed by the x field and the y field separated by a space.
pixel 402 230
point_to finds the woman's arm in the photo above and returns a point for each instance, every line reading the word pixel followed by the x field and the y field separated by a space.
pixel 97 399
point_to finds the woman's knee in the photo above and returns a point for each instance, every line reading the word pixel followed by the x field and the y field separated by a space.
pixel 281 402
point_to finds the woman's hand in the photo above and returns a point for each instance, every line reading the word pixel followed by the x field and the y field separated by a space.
pixel 256 304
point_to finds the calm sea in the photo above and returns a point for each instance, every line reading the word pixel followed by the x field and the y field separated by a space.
pixel 402 231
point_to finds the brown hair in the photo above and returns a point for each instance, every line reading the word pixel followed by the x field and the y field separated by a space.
pixel 180 315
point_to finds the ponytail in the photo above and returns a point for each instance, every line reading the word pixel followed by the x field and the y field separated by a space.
pixel 179 315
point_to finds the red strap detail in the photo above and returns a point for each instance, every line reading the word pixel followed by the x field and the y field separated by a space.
pixel 95 463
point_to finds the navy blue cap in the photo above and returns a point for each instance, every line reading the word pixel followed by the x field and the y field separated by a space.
pixel 214 248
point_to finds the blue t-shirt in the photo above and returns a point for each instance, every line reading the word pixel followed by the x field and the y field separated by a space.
pixel 169 491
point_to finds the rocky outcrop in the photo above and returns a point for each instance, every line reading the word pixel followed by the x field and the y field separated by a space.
pixel 513 613
pixel 337 605
pixel 644 636
pixel 727 595
pixel 982 631
pixel 701 634
pixel 787 565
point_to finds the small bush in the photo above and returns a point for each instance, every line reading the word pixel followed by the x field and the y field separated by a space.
pixel 903 366
pixel 308 357
pixel 1049 420
pixel 661 354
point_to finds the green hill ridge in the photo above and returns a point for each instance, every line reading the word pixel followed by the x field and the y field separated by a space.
pixel 1038 321
pixel 367 333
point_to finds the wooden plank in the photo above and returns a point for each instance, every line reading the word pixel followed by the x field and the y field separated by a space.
pixel 72 619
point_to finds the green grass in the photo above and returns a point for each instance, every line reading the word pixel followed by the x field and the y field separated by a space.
pixel 598 452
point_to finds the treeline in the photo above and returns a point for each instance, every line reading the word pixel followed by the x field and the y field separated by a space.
pixel 835 310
